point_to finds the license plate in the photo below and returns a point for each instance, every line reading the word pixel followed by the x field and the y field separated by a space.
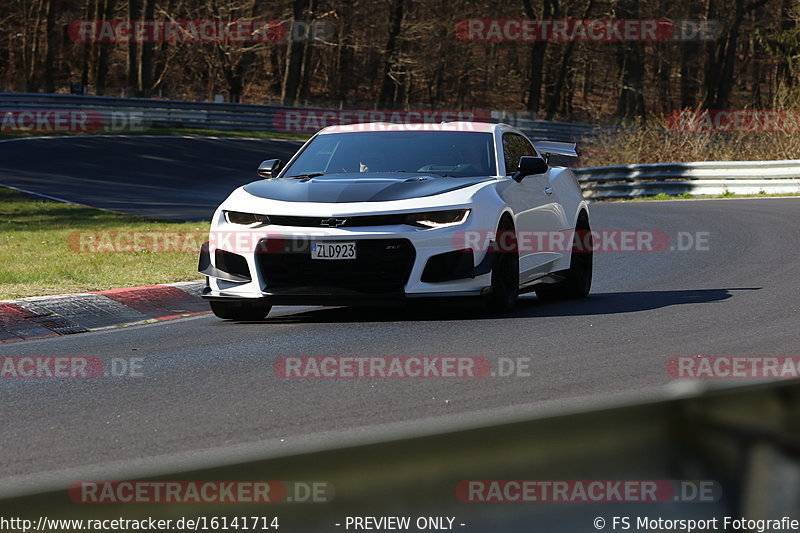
pixel 333 250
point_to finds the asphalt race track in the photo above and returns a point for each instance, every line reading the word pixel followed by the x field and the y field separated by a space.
pixel 208 383
pixel 176 178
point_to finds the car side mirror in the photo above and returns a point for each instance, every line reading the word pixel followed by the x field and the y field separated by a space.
pixel 268 168
pixel 530 165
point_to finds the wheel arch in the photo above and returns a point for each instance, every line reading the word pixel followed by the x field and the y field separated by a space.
pixel 581 212
pixel 507 215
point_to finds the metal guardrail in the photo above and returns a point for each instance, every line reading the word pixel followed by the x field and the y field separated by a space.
pixel 694 179
pixel 744 439
pixel 253 117
pixel 627 181
pixel 222 116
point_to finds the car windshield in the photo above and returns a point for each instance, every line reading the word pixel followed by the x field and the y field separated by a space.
pixel 457 154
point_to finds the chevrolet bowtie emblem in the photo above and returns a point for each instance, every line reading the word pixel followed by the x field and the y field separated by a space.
pixel 332 222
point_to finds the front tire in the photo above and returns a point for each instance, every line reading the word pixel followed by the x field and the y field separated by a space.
pixel 578 279
pixel 240 310
pixel 505 271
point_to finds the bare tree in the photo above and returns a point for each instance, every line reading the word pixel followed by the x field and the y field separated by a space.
pixel 630 101
pixel 558 96
pixel 392 80
pixel 295 49
pixel 722 63
pixel 537 54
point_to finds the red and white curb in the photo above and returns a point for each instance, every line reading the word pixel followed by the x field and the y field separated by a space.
pixel 47 316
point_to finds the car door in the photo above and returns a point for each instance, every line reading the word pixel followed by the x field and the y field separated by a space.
pixel 538 214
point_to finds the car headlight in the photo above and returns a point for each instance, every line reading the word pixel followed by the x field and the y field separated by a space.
pixel 438 219
pixel 245 219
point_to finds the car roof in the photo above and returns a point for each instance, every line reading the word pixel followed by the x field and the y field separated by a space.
pixel 368 127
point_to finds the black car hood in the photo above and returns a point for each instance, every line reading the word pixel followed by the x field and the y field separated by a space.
pixel 357 187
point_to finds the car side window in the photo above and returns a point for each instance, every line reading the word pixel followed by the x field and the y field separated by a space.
pixel 514 147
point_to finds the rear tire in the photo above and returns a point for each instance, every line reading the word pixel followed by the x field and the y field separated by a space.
pixel 240 310
pixel 505 271
pixel 578 280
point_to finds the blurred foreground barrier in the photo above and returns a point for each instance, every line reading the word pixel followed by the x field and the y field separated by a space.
pixel 745 442
pixel 695 179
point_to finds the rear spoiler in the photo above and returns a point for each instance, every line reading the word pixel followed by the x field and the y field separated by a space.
pixel 549 148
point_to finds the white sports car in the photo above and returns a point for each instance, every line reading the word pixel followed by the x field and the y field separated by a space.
pixel 375 213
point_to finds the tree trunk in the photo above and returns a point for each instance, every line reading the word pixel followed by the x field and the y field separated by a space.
pixel 721 80
pixel 294 59
pixel 86 48
pixel 31 45
pixel 389 85
pixel 556 97
pixel 144 76
pixel 537 55
pixel 630 101
pixel 308 52
pixel 133 55
pixel 689 72
pixel 103 50
pixel 344 52
pixel 52 38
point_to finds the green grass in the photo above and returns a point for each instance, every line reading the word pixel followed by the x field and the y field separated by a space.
pixel 40 247
pixel 665 196
pixel 191 132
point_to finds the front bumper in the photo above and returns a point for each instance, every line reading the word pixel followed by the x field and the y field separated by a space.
pixel 393 265
pixel 343 298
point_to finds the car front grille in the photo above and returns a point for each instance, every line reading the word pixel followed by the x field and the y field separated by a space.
pixel 339 222
pixel 381 266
